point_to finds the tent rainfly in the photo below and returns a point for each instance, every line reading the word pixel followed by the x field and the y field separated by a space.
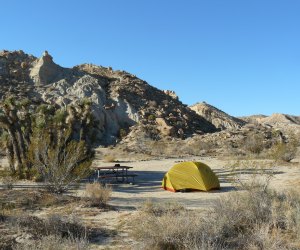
pixel 190 176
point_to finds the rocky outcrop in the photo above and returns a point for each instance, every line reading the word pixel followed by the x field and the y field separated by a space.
pixel 120 100
pixel 283 122
pixel 254 119
pixel 45 71
pixel 171 93
pixel 217 117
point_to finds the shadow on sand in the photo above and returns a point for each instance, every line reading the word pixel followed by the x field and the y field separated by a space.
pixel 150 181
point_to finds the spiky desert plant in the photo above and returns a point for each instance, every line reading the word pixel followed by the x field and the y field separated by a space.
pixel 60 162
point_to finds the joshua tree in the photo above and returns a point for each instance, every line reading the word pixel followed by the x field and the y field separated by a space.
pixel 26 123
pixel 15 120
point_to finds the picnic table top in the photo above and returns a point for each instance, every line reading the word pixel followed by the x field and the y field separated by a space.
pixel 113 167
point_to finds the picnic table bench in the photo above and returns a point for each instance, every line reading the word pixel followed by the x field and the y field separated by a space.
pixel 117 172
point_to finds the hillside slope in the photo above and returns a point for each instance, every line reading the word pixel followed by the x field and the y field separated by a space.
pixel 119 99
pixel 282 122
pixel 216 116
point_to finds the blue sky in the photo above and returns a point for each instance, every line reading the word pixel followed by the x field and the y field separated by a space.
pixel 240 56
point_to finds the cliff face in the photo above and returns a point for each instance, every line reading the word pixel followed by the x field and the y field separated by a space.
pixel 119 99
pixel 217 117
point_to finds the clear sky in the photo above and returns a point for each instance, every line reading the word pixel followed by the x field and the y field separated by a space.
pixel 242 56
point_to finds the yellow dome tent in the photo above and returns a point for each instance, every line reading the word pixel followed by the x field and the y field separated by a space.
pixel 190 176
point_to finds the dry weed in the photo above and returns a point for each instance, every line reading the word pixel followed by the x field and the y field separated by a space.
pixel 98 195
pixel 283 152
pixel 52 242
pixel 254 143
pixel 53 225
pixel 256 218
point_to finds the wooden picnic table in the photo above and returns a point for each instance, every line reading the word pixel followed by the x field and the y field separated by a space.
pixel 117 171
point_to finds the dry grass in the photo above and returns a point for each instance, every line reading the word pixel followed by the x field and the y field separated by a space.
pixel 254 143
pixel 33 199
pixel 54 229
pixel 159 209
pixel 163 226
pixel 255 218
pixel 52 225
pixel 52 242
pixel 171 148
pixel 97 194
pixel 53 232
pixel 284 152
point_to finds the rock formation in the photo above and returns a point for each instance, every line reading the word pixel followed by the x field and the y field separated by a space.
pixel 171 93
pixel 217 117
pixel 44 70
pixel 284 122
pixel 120 100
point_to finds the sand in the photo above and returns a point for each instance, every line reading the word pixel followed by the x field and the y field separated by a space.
pixel 150 173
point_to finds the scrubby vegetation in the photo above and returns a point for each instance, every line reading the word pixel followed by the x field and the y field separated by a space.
pixel 286 151
pixel 65 233
pixel 254 143
pixel 62 221
pixel 98 195
pixel 47 144
pixel 255 218
pixel 16 207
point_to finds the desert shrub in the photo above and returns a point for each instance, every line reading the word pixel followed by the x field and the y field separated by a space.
pixel 98 195
pixel 253 170
pixel 198 147
pixel 157 148
pixel 33 199
pixel 59 165
pixel 255 218
pixel 176 148
pixel 165 226
pixel 52 225
pixel 254 143
pixel 283 152
pixel 159 209
pixel 54 232
pixel 52 242
pixel 109 158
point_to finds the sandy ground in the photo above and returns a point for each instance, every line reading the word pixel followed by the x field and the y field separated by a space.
pixel 127 198
pixel 147 184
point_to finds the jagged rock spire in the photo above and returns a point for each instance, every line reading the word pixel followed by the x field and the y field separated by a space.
pixel 45 70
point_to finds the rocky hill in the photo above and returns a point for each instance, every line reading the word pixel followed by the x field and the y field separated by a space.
pixel 254 119
pixel 282 122
pixel 217 117
pixel 120 100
